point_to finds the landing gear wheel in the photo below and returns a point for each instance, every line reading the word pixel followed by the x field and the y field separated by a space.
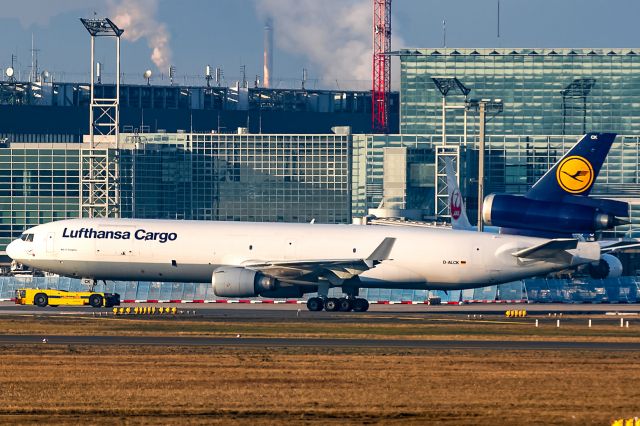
pixel 41 300
pixel 360 305
pixel 331 304
pixel 344 304
pixel 315 304
pixel 95 300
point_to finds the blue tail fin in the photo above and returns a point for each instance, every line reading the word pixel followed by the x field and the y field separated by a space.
pixel 575 173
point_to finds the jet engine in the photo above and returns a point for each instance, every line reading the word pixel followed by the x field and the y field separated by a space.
pixel 243 282
pixel 514 211
pixel 609 266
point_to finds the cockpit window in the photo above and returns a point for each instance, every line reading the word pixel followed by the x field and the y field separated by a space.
pixel 27 237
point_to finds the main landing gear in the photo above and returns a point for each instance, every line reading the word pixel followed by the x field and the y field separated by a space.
pixel 333 304
pixel 350 302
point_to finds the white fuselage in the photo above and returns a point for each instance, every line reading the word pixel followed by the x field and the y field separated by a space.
pixel 189 251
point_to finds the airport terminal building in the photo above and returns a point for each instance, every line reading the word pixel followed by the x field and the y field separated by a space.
pixel 550 97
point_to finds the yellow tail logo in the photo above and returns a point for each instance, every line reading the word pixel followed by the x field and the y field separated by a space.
pixel 575 174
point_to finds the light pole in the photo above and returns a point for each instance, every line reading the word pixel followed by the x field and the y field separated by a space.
pixel 493 106
pixel 444 85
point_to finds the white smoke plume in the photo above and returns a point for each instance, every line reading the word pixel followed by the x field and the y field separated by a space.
pixel 335 35
pixel 138 19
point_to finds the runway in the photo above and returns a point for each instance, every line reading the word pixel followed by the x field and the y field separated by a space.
pixel 297 316
pixel 319 343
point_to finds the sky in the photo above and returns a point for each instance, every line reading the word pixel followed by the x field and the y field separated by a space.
pixel 331 39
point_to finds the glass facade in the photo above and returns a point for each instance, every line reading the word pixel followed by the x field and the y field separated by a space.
pixel 39 183
pixel 191 97
pixel 512 165
pixel 544 91
pixel 284 178
pixel 261 178
pixel 370 172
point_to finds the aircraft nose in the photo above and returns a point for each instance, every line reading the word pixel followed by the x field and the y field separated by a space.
pixel 13 249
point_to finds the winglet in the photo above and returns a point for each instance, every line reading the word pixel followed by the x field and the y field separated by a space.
pixel 547 249
pixel 383 250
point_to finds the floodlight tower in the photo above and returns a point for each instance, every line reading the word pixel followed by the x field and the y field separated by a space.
pixel 381 65
pixel 99 168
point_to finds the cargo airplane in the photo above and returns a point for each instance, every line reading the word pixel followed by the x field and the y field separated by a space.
pixel 288 260
pixel 244 259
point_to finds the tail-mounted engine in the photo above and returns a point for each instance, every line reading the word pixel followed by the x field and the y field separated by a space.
pixel 563 217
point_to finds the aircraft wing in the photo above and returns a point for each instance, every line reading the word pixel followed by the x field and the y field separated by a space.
pixel 609 246
pixel 548 250
pixel 334 270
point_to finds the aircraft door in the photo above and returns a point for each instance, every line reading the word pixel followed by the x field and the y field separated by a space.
pixel 290 249
pixel 51 236
pixel 485 263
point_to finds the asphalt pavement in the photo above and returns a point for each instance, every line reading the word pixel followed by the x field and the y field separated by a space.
pixel 507 345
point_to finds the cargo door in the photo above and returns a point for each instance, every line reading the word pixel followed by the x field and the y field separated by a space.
pixel 484 262
pixel 290 250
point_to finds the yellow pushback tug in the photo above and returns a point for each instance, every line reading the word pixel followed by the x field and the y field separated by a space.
pixel 44 297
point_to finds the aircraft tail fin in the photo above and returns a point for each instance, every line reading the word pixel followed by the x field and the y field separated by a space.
pixel 457 209
pixel 576 171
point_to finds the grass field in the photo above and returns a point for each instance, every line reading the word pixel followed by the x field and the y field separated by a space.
pixel 63 384
pixel 193 385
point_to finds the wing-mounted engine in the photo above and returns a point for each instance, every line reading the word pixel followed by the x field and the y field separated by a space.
pixel 562 217
pixel 244 282
pixel 241 282
pixel 293 278
pixel 609 266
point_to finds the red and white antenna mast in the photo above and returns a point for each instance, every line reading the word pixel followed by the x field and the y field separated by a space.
pixel 381 65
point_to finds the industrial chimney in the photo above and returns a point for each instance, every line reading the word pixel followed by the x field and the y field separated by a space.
pixel 268 53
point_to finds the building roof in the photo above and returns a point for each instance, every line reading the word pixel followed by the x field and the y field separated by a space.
pixel 516 51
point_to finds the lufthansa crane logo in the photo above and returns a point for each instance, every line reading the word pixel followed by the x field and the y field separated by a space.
pixel 575 174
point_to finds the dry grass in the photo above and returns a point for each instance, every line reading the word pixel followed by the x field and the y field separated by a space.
pixel 193 385
pixel 425 327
